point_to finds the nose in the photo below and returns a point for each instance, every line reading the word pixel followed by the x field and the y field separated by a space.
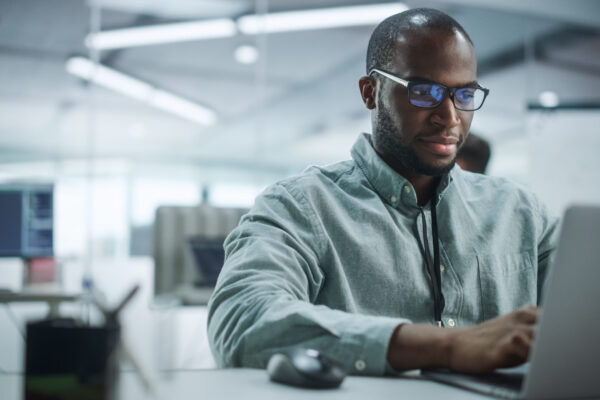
pixel 445 114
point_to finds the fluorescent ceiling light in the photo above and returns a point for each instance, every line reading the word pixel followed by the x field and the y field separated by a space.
pixel 109 78
pixel 159 34
pixel 142 91
pixel 318 18
pixel 250 25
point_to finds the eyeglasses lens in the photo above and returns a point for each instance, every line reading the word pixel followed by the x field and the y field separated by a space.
pixel 426 94
pixel 469 98
pixel 430 95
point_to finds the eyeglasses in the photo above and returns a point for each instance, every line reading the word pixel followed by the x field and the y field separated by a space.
pixel 430 94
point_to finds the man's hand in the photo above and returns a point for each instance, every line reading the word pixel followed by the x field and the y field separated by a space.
pixel 498 343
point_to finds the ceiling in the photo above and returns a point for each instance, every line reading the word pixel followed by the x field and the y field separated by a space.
pixel 298 105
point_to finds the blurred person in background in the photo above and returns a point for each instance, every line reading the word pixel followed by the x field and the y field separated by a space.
pixel 474 155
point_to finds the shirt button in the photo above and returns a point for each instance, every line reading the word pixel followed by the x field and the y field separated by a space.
pixel 394 199
pixel 451 322
pixel 407 189
pixel 442 267
pixel 360 365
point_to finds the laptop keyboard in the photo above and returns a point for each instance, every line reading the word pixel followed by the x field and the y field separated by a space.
pixel 500 384
pixel 505 380
pixel 504 385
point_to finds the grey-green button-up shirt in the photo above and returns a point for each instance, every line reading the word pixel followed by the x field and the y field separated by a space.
pixel 335 259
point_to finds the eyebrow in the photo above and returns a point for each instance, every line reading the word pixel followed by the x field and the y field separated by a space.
pixel 422 79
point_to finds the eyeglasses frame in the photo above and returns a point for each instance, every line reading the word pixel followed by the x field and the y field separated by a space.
pixel 449 91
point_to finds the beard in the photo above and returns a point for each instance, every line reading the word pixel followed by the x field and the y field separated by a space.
pixel 392 146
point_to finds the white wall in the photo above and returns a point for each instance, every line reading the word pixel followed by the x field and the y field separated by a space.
pixel 564 152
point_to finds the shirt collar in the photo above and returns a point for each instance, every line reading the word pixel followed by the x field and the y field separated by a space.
pixel 390 185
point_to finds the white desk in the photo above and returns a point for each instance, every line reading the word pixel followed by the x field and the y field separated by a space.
pixel 163 337
pixel 52 299
pixel 254 384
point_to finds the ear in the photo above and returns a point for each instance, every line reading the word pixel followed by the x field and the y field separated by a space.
pixel 368 91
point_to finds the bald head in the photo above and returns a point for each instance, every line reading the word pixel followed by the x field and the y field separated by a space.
pixel 408 28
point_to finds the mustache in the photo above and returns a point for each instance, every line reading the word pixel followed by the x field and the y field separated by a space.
pixel 441 136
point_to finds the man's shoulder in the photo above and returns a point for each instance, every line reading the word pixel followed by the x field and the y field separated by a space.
pixel 489 182
pixel 318 176
pixel 312 189
pixel 494 188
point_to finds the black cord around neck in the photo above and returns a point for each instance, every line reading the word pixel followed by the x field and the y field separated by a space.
pixel 436 278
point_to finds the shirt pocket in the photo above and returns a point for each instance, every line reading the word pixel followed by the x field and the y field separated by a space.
pixel 507 282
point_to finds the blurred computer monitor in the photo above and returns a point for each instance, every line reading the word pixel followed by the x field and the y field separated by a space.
pixel 26 220
pixel 209 256
pixel 188 249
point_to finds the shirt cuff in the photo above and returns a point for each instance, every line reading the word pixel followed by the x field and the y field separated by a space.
pixel 369 349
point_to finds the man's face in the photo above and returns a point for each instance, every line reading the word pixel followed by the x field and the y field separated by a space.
pixel 419 140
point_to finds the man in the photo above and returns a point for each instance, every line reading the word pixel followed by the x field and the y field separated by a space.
pixel 474 154
pixel 366 259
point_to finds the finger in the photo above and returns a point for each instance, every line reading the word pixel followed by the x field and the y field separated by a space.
pixel 523 338
pixel 530 331
pixel 512 352
pixel 527 315
pixel 521 344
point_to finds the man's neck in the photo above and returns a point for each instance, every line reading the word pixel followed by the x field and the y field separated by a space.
pixel 423 184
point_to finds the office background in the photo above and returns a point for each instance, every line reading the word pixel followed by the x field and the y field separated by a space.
pixel 213 120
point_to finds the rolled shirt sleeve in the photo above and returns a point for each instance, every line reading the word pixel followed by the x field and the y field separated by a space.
pixel 266 297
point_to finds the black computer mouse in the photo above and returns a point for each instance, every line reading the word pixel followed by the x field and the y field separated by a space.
pixel 305 368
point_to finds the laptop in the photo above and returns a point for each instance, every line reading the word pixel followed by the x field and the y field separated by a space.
pixel 564 362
